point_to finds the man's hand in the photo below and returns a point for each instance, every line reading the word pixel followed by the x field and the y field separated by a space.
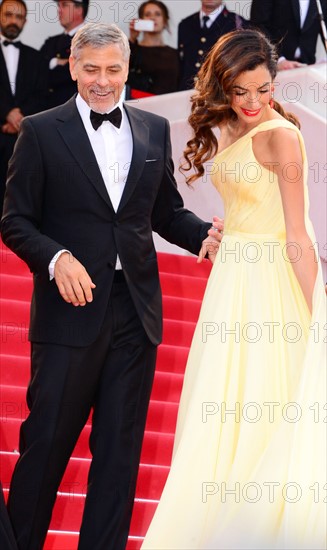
pixel 286 64
pixel 15 117
pixel 73 282
pixel 8 128
pixel 133 34
pixel 211 244
pixel 62 62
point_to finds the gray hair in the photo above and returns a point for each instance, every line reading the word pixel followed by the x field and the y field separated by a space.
pixel 98 35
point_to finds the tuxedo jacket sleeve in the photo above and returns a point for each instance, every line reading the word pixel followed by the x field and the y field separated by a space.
pixel 31 84
pixel 56 199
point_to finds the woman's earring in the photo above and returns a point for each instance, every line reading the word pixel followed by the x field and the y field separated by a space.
pixel 271 101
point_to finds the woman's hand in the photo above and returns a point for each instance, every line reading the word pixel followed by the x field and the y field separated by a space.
pixel 210 245
pixel 133 34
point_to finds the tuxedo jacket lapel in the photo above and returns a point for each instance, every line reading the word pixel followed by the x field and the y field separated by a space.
pixel 296 9
pixel 70 126
pixel 21 76
pixel 4 72
pixel 311 15
pixel 140 134
pixel 23 73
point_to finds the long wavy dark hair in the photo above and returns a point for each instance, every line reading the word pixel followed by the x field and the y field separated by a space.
pixel 234 53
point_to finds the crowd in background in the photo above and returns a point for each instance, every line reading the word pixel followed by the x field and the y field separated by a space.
pixel 31 80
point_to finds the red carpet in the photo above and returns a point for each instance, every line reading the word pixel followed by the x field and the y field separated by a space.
pixel 183 283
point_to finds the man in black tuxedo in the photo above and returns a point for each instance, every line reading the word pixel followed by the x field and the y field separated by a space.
pixel 22 81
pixel 294 25
pixel 56 50
pixel 198 32
pixel 83 197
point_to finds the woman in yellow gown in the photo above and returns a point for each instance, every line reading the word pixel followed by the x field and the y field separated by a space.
pixel 249 461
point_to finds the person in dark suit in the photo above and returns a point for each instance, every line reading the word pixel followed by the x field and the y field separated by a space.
pixel 83 214
pixel 22 81
pixel 293 25
pixel 56 50
pixel 198 32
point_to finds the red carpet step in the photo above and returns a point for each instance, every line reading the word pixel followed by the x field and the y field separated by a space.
pixel 150 483
pixel 183 283
pixel 157 446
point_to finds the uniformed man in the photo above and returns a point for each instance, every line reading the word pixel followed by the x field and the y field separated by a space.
pixel 56 50
pixel 198 33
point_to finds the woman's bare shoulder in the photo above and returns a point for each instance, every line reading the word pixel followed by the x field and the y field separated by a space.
pixel 277 145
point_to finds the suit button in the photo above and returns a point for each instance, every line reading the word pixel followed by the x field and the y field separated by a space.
pixel 203 39
pixel 200 52
pixel 198 65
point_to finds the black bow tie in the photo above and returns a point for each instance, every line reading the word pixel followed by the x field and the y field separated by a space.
pixel 114 117
pixel 8 43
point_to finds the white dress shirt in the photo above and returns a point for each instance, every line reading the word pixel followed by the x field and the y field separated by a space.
pixel 11 55
pixel 304 7
pixel 113 149
pixel 212 16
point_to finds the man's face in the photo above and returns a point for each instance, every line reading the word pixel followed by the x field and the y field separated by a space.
pixel 101 74
pixel 12 19
pixel 210 5
pixel 70 14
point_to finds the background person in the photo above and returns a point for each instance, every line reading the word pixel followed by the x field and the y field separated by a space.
pixel 154 66
pixel 56 50
pixel 293 25
pixel 198 32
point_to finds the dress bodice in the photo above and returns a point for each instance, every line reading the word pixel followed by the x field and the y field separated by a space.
pixel 249 190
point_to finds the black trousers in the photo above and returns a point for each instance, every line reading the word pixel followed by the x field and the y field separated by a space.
pixel 7 539
pixel 113 377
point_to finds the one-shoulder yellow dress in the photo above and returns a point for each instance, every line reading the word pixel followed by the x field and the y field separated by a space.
pixel 249 461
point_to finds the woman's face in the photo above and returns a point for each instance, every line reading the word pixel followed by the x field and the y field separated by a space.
pixel 250 94
pixel 155 14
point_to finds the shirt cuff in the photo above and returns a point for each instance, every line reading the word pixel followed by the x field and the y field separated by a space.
pixel 53 263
